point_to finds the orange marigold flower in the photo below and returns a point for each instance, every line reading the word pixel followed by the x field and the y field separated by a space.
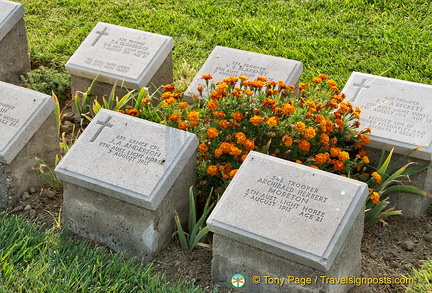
pixel 216 95
pixel 375 197
pixel 230 80
pixel 193 123
pixel 207 77
pixel 329 126
pixel 365 159
pixel 212 132
pixel 120 111
pixel 249 145
pixel 219 114
pixel 237 94
pixel 319 118
pixel 300 126
pixel 212 104
pixel 287 140
pixel 317 79
pixel 377 177
pixel 203 148
pixel 343 156
pixel 233 172
pixel 169 88
pixel 223 124
pixel 365 139
pixel 334 152
pixel 133 112
pixel 225 147
pixel 343 108
pixel 340 123
pixel 261 78
pixel 323 76
pixel 304 145
pixel 288 109
pixel 174 117
pixel 331 82
pixel 324 138
pixel 272 121
pixel 182 125
pixel 241 137
pixel 309 132
pixel 183 105
pixel 166 96
pixel 169 101
pixel 269 103
pixel 338 165
pixel 248 93
pixel 255 120
pixel 218 152
pixel 322 158
pixel 238 116
pixel 145 101
pixel 235 151
pixel 212 170
pixel 200 88
pixel 299 162
pixel 193 115
pixel 242 77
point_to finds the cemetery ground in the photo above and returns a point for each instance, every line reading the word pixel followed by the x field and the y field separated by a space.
pixel 388 250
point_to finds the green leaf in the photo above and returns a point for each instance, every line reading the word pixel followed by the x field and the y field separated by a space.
pixel 180 232
pixel 383 169
pixel 201 235
pixel 404 189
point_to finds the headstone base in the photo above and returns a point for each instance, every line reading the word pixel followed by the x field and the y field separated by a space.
pixel 23 172
pixel 164 75
pixel 15 60
pixel 412 205
pixel 231 257
pixel 134 230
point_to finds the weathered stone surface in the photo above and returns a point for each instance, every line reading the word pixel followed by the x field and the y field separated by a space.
pixel 14 57
pixel 224 62
pixel 125 176
pixel 276 209
pixel 128 57
pixel 27 130
pixel 400 116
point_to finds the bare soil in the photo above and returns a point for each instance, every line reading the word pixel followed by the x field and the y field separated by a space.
pixel 388 250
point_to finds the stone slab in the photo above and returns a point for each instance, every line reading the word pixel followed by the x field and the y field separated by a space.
pixel 28 129
pixel 10 14
pixel 114 53
pixel 398 112
pixel 268 192
pixel 14 56
pixel 224 62
pixel 128 158
pixel 22 112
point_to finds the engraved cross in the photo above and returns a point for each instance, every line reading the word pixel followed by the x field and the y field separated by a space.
pixel 100 34
pixel 361 85
pixel 102 124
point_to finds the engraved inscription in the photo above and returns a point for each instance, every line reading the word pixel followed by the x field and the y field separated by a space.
pixel 6 117
pixel 398 116
pixel 133 151
pixel 236 68
pixel 289 196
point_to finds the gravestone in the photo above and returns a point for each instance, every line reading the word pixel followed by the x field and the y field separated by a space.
pixel 14 56
pixel 27 130
pixel 399 114
pixel 123 179
pixel 224 62
pixel 129 57
pixel 279 219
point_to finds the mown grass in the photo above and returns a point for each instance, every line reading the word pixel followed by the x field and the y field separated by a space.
pixel 32 260
pixel 334 37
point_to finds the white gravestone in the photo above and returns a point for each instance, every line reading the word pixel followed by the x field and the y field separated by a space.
pixel 130 57
pixel 123 179
pixel 14 56
pixel 281 219
pixel 399 114
pixel 224 62
pixel 27 130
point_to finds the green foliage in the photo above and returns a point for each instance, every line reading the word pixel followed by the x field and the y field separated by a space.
pixel 47 80
pixel 197 229
pixel 32 260
pixel 421 278
pixel 387 180
pixel 334 37
pixel 49 175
